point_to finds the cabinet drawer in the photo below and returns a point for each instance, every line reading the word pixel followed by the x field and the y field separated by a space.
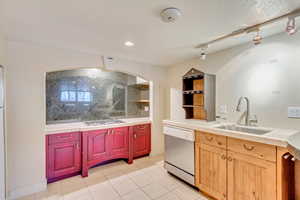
pixel 141 128
pixel 212 139
pixel 259 150
pixel 64 137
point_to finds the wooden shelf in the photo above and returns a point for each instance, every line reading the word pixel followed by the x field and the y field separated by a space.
pixel 141 86
pixel 141 101
pixel 192 106
pixel 193 92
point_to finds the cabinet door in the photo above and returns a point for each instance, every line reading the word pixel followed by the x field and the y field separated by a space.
pixel 119 142
pixel 141 140
pixel 250 178
pixel 211 173
pixel 63 159
pixel 97 146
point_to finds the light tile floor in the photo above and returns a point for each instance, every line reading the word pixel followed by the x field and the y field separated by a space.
pixel 145 179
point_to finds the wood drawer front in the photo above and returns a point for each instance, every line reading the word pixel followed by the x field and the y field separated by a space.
pixel 214 140
pixel 259 150
pixel 64 137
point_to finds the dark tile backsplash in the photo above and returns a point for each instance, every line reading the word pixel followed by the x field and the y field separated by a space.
pixel 91 94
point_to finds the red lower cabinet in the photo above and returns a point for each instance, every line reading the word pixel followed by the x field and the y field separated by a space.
pixel 119 139
pixel 141 140
pixel 104 145
pixel 63 155
pixel 97 144
pixel 71 153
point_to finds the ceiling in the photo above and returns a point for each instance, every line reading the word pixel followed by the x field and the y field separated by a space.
pixel 102 27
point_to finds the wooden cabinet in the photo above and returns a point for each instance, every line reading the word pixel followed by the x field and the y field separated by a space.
pixel 250 178
pixel 68 154
pixel 212 176
pixel 63 155
pixel 141 140
pixel 97 144
pixel 119 139
pixel 231 169
pixel 103 145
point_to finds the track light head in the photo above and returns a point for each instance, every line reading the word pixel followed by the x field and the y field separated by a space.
pixel 291 28
pixel 203 51
pixel 258 38
pixel 203 55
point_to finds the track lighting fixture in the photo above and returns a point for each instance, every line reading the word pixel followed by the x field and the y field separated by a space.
pixel 291 28
pixel 203 52
pixel 258 38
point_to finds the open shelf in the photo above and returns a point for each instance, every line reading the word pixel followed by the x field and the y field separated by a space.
pixel 141 86
pixel 141 101
pixel 193 94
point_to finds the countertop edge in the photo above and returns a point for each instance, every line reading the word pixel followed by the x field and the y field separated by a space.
pixel 90 128
pixel 208 128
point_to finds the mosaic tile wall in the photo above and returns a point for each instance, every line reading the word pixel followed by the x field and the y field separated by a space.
pixel 91 94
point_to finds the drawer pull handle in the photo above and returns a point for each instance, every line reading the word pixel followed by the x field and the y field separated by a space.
pixel 251 148
pixel 229 159
pixel 64 136
pixel 209 138
pixel 220 143
pixel 223 157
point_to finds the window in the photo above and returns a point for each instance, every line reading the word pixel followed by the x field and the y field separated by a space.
pixel 70 91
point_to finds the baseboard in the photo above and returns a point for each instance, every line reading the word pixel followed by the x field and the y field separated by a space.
pixel 27 190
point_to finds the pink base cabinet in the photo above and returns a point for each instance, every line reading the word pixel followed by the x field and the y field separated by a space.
pixel 63 155
pixel 141 140
pixel 104 145
pixel 73 153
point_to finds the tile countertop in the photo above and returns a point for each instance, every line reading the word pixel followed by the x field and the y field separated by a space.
pixel 278 137
pixel 81 126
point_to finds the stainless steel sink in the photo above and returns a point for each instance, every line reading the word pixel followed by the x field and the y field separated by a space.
pixel 256 131
pixel 103 122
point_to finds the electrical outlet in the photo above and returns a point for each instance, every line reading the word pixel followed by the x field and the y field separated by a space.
pixel 294 112
pixel 223 109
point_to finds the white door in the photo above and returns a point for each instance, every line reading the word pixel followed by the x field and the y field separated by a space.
pixel 2 140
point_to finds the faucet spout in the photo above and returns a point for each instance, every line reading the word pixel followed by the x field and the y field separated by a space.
pixel 238 109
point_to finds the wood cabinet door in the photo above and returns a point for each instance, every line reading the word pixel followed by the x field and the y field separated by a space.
pixel 119 141
pixel 211 174
pixel 141 140
pixel 97 146
pixel 250 178
pixel 63 159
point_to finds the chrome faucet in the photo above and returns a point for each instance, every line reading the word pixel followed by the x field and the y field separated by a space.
pixel 238 109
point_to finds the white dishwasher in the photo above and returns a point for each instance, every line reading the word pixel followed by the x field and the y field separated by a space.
pixel 180 152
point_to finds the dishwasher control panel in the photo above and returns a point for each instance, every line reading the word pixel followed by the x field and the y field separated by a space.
pixel 185 134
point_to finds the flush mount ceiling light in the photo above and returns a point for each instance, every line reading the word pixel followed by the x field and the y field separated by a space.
pixel 129 44
pixel 291 28
pixel 170 14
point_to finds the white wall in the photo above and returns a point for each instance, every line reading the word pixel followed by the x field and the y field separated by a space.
pixel 27 65
pixel 268 74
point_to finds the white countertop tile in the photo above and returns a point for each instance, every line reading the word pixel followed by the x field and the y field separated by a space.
pixel 81 126
pixel 278 137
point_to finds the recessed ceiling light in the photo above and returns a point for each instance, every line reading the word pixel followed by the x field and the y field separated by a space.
pixel 129 43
